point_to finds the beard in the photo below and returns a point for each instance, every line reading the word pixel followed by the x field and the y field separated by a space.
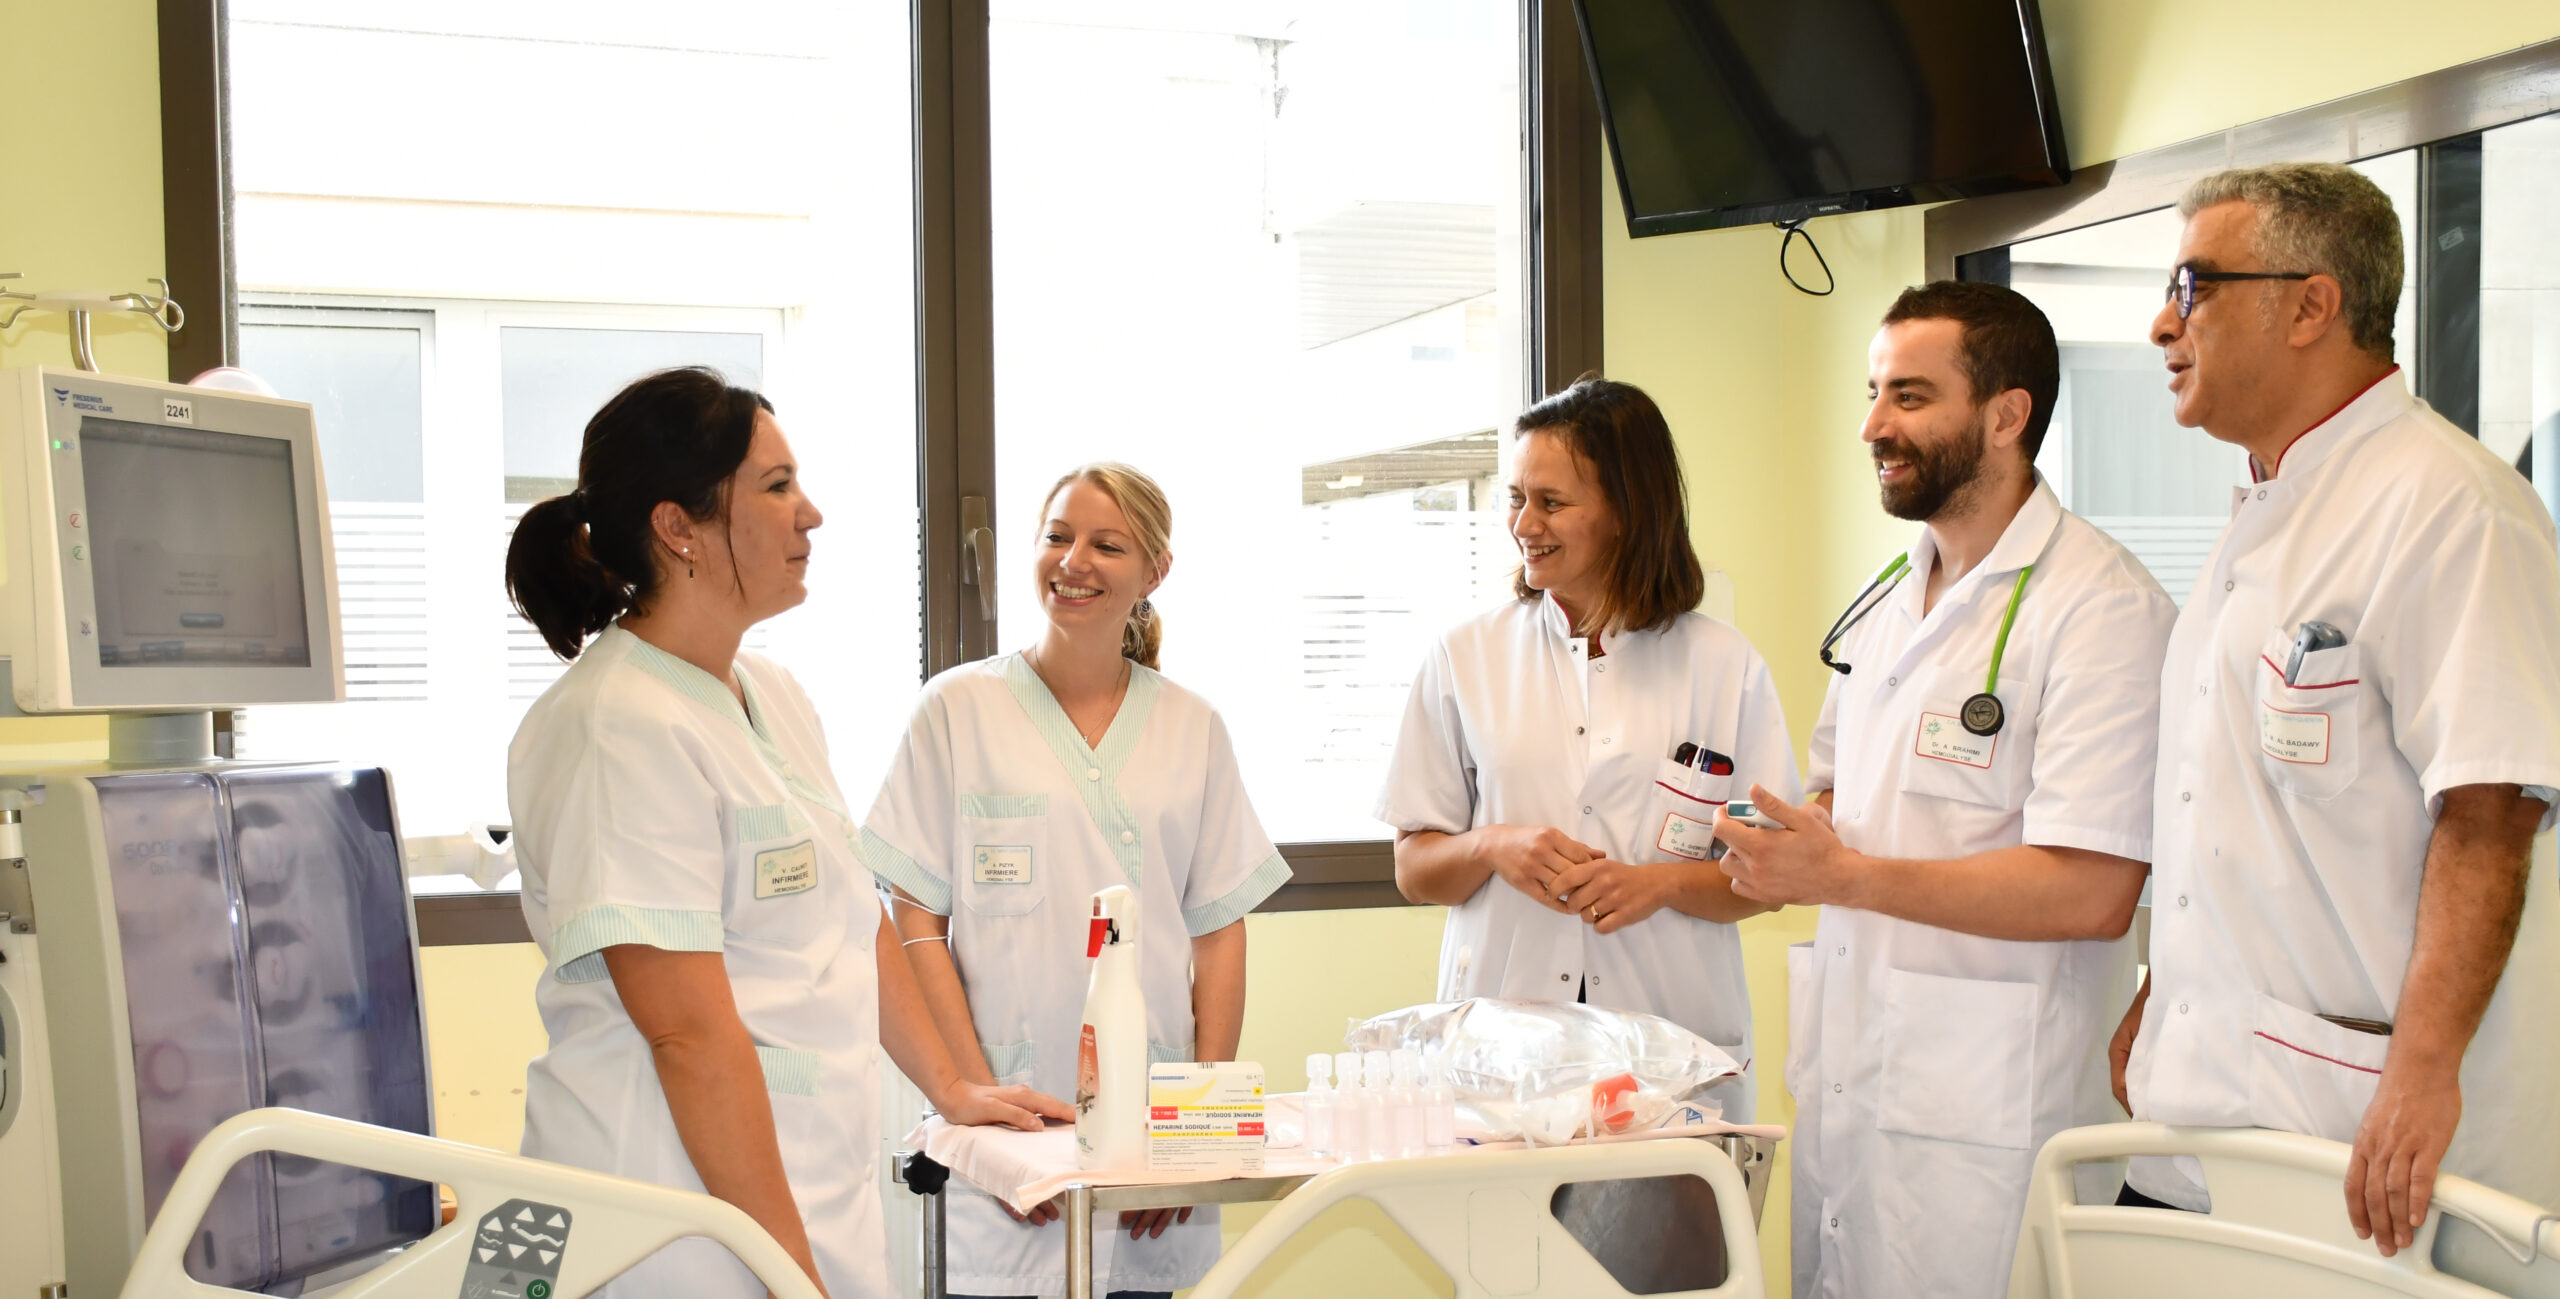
pixel 1941 475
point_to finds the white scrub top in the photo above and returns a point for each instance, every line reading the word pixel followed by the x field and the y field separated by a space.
pixel 1929 1065
pixel 650 809
pixel 997 814
pixel 2293 820
pixel 1513 722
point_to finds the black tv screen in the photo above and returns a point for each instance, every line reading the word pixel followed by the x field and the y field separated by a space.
pixel 1732 112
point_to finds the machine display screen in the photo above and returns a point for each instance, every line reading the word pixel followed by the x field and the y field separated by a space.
pixel 194 546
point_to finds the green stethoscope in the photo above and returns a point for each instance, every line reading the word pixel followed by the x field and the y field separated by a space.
pixel 1982 714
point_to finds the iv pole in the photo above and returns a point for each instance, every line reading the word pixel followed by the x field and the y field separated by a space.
pixel 163 311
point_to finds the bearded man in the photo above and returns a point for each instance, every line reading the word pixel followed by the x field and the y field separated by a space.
pixel 1981 825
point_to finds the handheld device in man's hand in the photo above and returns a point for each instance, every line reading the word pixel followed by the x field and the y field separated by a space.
pixel 1748 813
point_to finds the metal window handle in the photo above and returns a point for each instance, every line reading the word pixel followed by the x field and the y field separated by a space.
pixel 978 553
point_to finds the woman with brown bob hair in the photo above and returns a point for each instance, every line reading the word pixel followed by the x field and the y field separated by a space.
pixel 1564 756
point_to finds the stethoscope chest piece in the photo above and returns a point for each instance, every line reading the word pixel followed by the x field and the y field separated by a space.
pixel 1983 715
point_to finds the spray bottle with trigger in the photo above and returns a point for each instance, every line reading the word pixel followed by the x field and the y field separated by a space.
pixel 1111 1058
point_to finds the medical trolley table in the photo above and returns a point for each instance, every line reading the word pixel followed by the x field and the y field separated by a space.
pixel 1750 1153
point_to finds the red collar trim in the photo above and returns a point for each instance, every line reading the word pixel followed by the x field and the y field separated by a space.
pixel 2256 477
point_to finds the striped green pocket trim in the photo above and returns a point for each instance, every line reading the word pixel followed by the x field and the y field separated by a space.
pixel 577 948
pixel 769 821
pixel 1002 805
pixel 792 1073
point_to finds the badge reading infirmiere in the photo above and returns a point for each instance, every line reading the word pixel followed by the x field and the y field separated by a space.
pixel 781 872
pixel 1006 864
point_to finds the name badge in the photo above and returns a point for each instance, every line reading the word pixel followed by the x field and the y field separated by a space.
pixel 1686 836
pixel 1003 865
pixel 2288 736
pixel 1943 737
pixel 781 872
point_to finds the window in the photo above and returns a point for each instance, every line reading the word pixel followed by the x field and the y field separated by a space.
pixel 2520 298
pixel 461 226
pixel 1272 260
pixel 2114 454
pixel 1298 264
pixel 364 374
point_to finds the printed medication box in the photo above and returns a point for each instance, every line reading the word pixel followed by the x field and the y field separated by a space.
pixel 1205 1118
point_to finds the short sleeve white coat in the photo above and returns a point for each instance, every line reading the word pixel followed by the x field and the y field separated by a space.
pixel 649 808
pixel 1929 1065
pixel 2294 818
pixel 997 814
pixel 1512 721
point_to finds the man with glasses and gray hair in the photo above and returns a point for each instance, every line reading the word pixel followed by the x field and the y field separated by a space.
pixel 2359 736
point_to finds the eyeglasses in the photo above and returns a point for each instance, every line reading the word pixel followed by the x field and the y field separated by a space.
pixel 2183 281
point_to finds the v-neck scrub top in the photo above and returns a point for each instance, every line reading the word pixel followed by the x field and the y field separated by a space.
pixel 997 814
pixel 650 809
pixel 1512 721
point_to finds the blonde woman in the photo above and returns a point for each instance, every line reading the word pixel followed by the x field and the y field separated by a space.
pixel 1026 783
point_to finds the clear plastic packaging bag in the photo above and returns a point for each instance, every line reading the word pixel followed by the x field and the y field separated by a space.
pixel 1546 1072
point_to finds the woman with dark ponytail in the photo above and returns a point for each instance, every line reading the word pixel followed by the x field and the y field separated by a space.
pixel 1029 782
pixel 718 969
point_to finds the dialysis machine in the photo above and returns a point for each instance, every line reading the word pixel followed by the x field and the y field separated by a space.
pixel 183 938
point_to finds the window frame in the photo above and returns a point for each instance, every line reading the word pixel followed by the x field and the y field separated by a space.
pixel 1560 162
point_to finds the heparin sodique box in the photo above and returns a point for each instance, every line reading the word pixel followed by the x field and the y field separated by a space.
pixel 1205 1118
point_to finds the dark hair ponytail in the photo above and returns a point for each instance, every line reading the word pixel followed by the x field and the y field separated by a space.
pixel 579 561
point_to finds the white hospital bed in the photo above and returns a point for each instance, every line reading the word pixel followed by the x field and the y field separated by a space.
pixel 1491 1222
pixel 590 1225
pixel 2278 1228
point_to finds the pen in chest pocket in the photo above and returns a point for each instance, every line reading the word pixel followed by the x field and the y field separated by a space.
pixel 1702 758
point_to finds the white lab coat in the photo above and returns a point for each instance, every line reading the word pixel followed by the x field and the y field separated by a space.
pixel 650 809
pixel 1929 1065
pixel 2292 821
pixel 1512 722
pixel 997 814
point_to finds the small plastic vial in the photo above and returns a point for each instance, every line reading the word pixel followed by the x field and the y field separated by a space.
pixel 1351 1110
pixel 1440 1106
pixel 1382 1115
pixel 1410 1128
pixel 1320 1105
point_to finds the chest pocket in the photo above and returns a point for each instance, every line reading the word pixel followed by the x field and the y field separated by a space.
pixel 1944 760
pixel 1680 814
pixel 1004 864
pixel 781 875
pixel 2307 743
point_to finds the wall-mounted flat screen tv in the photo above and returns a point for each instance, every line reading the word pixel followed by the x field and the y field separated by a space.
pixel 1735 112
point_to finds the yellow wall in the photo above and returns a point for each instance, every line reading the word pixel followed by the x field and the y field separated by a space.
pixel 1763 384
pixel 1764 387
pixel 80 172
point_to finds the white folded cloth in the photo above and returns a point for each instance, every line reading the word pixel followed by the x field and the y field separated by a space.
pixel 1025 1168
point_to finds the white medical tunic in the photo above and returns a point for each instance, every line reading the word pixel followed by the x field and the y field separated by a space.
pixel 650 809
pixel 2292 820
pixel 997 814
pixel 1512 721
pixel 1928 1065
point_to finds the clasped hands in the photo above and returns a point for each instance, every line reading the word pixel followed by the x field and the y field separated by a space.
pixel 1570 877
